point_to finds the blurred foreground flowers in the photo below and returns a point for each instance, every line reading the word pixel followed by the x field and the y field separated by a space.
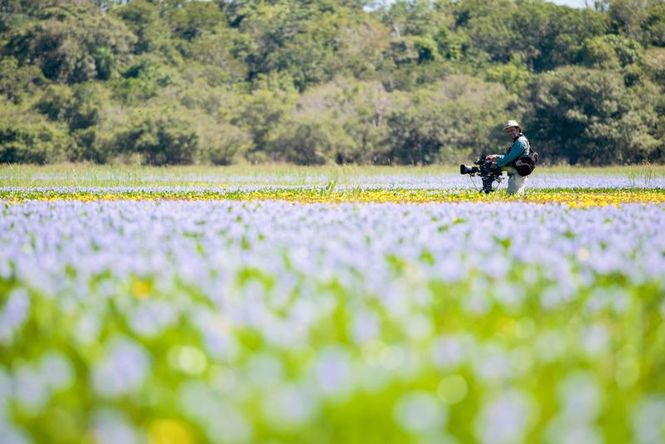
pixel 214 321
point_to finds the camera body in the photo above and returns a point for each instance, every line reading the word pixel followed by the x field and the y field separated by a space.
pixel 488 171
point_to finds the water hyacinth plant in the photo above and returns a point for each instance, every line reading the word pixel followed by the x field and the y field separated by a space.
pixel 274 321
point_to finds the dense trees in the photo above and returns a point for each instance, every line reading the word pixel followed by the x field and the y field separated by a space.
pixel 589 115
pixel 413 81
pixel 71 43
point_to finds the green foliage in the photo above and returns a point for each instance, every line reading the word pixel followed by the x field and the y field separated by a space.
pixel 332 81
pixel 141 81
pixel 611 51
pixel 311 140
pixel 54 103
pixel 654 63
pixel 70 43
pixel 587 115
pixel 193 19
pixel 299 40
pixel 158 139
pixel 220 143
pixel 361 43
pixel 654 25
pixel 545 34
pixel 104 61
pixel 215 52
pixel 514 75
pixel 452 45
pixel 447 122
pixel 260 112
pixel 362 109
pixel 489 30
pixel 16 81
pixel 550 36
pixel 26 138
pixel 403 51
pixel 419 17
pixel 142 18
pixel 356 112
pixel 79 106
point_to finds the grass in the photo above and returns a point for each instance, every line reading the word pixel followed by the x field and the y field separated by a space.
pixel 278 174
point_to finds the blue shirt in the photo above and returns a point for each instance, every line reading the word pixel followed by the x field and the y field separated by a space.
pixel 519 147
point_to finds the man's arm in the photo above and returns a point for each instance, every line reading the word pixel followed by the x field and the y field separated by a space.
pixel 516 150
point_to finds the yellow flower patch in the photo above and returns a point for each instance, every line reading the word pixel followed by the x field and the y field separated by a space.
pixel 569 197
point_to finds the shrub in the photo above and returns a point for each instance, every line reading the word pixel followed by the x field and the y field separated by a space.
pixel 159 140
pixel 31 139
pixel 311 140
pixel 221 143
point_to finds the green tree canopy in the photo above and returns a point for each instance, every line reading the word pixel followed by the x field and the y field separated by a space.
pixel 590 116
pixel 409 81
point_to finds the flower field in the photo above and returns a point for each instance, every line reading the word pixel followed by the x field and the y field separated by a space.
pixel 332 313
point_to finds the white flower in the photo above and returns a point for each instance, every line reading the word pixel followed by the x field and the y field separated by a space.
pixel 56 371
pixel 289 406
pixel 451 351
pixel 595 340
pixel 14 314
pixel 264 371
pixel 365 326
pixel 420 412
pixel 111 427
pixel 647 420
pixel 31 389
pixel 332 372
pixel 505 419
pixel 221 421
pixel 122 370
pixel 9 434
pixel 417 327
pixel 580 397
pixel 151 317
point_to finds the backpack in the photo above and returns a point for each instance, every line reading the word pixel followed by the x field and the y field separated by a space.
pixel 526 163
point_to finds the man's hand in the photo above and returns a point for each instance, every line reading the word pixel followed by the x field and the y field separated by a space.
pixel 492 157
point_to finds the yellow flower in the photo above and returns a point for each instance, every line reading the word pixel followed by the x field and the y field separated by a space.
pixel 169 431
pixel 141 288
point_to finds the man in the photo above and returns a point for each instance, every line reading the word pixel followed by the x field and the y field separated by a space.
pixel 519 147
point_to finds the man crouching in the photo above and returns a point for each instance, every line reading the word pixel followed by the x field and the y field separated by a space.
pixel 519 148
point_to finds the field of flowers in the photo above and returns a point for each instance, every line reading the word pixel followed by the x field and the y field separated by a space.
pixel 367 309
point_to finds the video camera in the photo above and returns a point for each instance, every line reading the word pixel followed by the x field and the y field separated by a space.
pixel 488 171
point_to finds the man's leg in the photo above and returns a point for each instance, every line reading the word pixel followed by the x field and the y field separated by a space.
pixel 516 184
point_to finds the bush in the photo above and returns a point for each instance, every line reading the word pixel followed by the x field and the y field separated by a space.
pixel 16 81
pixel 311 140
pixel 221 143
pixel 355 111
pixel 71 43
pixel 141 81
pixel 31 139
pixel 159 140
pixel 591 116
pixel 448 121
pixel 654 63
pixel 611 51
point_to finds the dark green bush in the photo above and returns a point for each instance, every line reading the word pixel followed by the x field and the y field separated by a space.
pixel 29 140
pixel 159 140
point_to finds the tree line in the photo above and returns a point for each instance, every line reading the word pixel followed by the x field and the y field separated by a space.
pixel 164 82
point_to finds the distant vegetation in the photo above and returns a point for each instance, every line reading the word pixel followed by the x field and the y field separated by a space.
pixel 328 81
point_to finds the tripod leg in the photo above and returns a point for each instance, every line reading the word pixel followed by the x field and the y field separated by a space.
pixel 487 185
